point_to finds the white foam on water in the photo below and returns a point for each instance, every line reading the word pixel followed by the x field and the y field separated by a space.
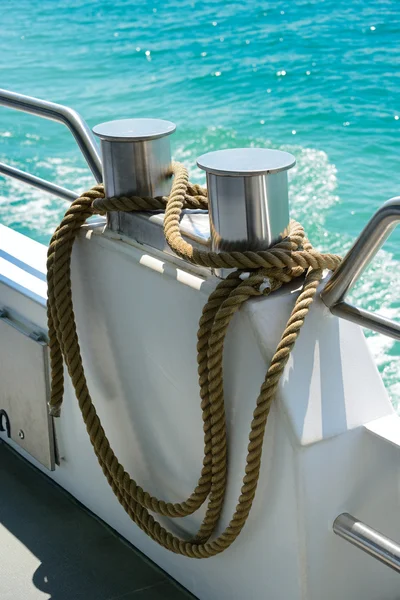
pixel 30 209
pixel 313 195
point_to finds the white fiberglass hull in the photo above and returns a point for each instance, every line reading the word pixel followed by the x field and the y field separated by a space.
pixel 332 442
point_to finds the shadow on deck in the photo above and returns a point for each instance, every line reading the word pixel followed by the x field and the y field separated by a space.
pixel 53 549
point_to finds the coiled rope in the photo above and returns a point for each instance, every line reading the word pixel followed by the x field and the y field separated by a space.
pixel 257 273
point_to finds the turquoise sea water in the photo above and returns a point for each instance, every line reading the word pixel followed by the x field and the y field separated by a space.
pixel 320 78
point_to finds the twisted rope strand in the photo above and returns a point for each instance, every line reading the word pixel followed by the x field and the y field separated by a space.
pixel 292 257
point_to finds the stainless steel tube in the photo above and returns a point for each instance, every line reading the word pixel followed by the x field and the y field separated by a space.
pixel 62 114
pixel 369 540
pixel 355 262
pixel 248 196
pixel 136 156
pixel 37 182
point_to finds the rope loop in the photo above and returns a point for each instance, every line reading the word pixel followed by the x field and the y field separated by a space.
pixel 256 273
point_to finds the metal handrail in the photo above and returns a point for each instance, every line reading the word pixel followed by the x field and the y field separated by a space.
pixel 355 262
pixel 369 540
pixel 38 182
pixel 62 114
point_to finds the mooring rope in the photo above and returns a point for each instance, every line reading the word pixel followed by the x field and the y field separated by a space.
pixel 257 273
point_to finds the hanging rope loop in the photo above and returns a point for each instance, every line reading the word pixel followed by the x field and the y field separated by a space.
pixel 256 273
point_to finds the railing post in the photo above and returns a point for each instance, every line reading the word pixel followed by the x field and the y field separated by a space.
pixel 370 240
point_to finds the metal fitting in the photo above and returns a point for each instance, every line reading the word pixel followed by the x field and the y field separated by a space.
pixel 248 196
pixel 136 157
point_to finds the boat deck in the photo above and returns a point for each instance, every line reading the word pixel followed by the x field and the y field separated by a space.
pixel 51 548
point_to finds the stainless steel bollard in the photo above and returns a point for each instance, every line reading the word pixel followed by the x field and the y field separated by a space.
pixel 248 196
pixel 136 156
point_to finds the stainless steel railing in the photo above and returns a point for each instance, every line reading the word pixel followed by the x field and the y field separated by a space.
pixel 369 540
pixel 355 262
pixel 62 114
pixel 38 182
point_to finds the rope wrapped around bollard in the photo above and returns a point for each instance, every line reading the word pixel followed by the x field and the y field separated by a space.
pixel 291 258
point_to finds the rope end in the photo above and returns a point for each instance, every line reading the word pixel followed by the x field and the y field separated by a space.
pixel 265 286
pixel 55 411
